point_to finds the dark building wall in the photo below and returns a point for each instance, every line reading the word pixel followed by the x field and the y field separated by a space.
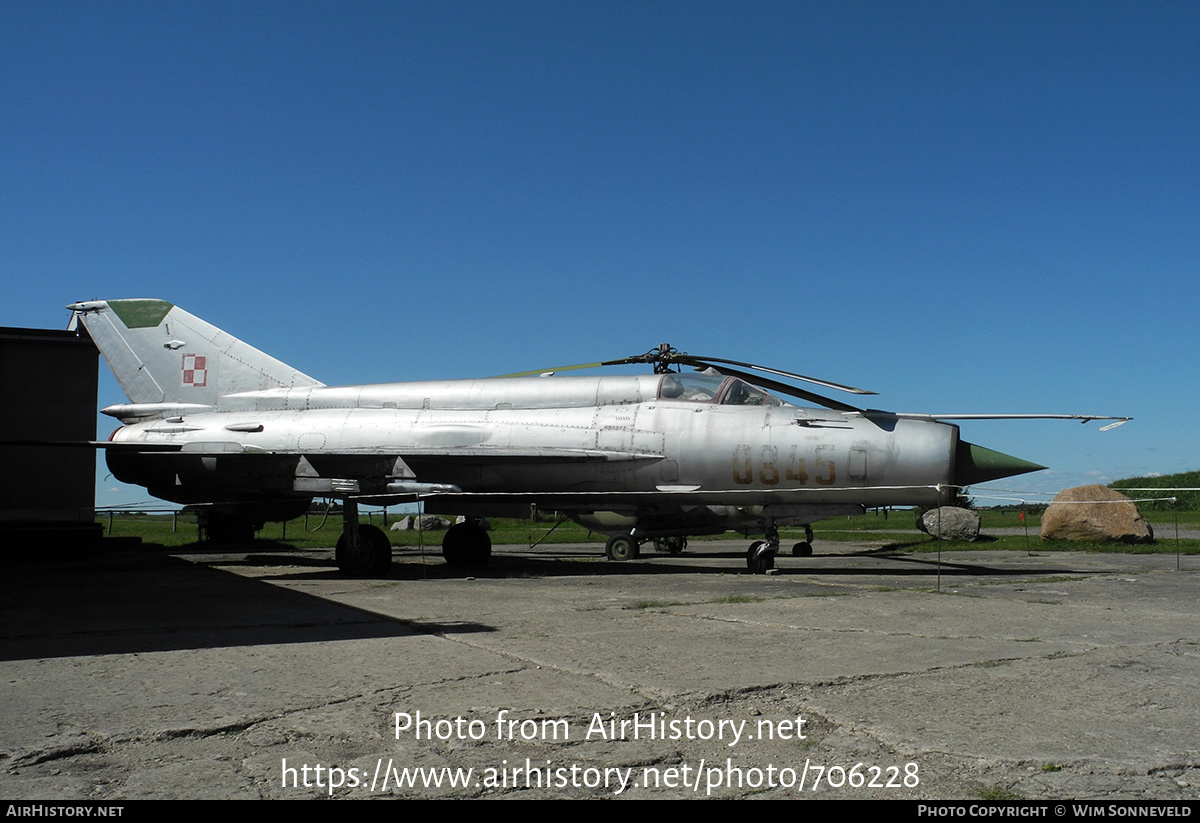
pixel 49 379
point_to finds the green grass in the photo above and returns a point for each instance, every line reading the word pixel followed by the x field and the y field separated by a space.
pixel 656 604
pixel 664 604
pixel 1017 542
pixel 881 528
pixel 988 519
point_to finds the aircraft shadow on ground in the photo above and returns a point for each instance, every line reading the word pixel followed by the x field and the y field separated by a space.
pixel 136 601
pixel 120 602
pixel 586 560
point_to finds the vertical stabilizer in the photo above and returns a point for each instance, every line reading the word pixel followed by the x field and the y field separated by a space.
pixel 161 354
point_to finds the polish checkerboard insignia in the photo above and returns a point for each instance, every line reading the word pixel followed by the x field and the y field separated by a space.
pixel 195 370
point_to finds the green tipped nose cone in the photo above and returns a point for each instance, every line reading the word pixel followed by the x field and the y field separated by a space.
pixel 975 464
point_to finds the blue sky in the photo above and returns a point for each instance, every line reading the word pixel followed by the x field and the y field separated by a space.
pixel 967 207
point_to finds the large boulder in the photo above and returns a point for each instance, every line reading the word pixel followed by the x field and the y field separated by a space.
pixel 1095 514
pixel 482 522
pixel 954 523
pixel 424 523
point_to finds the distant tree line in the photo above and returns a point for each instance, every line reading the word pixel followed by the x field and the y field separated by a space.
pixel 1184 501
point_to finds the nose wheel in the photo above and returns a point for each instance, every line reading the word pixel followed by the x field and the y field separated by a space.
pixel 760 557
pixel 804 548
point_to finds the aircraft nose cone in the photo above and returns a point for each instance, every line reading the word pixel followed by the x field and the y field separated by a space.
pixel 975 464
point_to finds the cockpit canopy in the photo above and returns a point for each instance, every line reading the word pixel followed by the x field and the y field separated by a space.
pixel 713 388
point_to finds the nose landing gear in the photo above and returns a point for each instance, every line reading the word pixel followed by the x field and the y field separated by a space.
pixel 760 557
pixel 804 548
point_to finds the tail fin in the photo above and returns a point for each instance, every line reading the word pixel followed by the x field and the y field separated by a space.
pixel 160 354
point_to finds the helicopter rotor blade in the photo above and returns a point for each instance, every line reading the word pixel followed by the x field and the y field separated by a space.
pixel 698 360
pixel 536 372
pixel 624 361
pixel 665 356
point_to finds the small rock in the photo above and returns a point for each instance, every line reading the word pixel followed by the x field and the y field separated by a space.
pixel 955 523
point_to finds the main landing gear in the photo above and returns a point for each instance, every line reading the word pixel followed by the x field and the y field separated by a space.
pixel 363 550
pixel 467 544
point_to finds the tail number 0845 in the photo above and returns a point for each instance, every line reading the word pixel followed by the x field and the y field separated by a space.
pixel 769 471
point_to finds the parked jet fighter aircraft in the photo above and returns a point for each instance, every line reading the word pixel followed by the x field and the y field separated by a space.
pixel 212 420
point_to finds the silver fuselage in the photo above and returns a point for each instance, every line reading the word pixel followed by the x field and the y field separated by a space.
pixel 578 444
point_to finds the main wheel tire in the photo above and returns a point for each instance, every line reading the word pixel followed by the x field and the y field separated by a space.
pixel 467 544
pixel 621 547
pixel 803 549
pixel 381 546
pixel 756 562
pixel 368 555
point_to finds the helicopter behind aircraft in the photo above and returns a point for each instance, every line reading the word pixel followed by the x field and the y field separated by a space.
pixel 212 420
